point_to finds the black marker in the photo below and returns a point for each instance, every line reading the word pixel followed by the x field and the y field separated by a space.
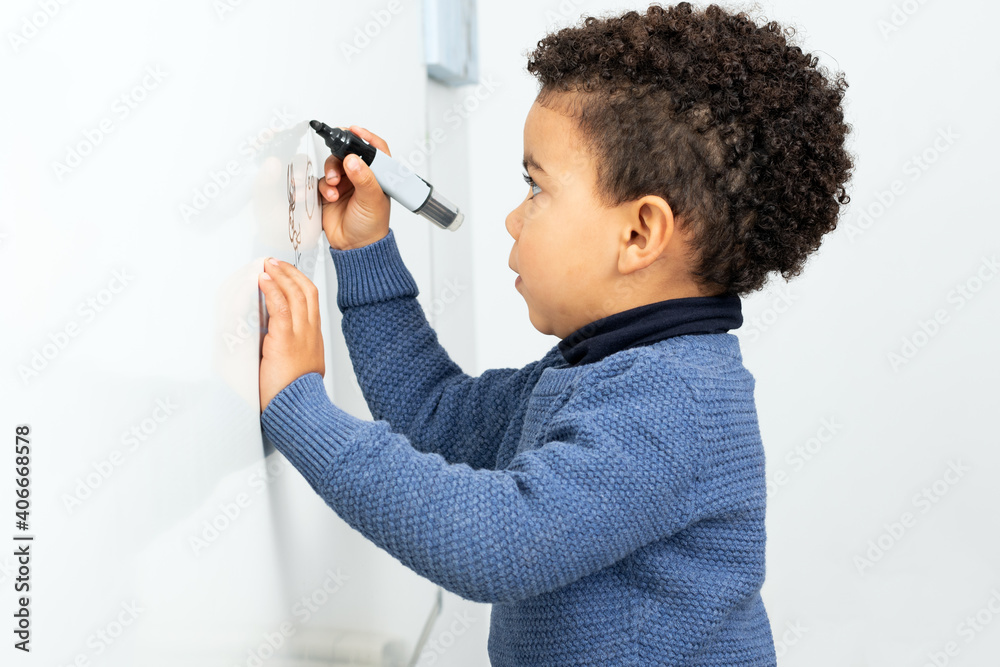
pixel 396 179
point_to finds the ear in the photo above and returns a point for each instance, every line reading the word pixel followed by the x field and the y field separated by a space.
pixel 647 230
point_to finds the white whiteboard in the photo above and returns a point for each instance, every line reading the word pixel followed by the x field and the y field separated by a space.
pixel 145 176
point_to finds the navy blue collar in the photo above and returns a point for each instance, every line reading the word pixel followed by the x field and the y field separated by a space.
pixel 650 323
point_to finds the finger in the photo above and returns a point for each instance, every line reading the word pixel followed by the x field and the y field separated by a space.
pixel 307 286
pixel 369 192
pixel 332 169
pixel 296 303
pixel 279 315
pixel 334 193
pixel 341 187
pixel 333 186
pixel 375 140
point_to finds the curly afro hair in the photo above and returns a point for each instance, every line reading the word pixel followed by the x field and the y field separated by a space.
pixel 734 127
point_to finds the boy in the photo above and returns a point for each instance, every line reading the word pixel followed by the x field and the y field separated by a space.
pixel 609 498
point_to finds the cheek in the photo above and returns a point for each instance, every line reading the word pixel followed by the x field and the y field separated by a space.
pixel 533 238
pixel 530 262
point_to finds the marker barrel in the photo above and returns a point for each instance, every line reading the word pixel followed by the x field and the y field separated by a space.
pixel 395 178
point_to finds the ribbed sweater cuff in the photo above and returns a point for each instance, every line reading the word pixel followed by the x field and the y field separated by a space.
pixel 372 273
pixel 308 428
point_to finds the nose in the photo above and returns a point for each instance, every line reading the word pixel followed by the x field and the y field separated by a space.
pixel 513 223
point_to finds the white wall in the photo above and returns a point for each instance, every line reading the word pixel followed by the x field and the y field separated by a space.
pixel 819 345
pixel 823 357
pixel 114 516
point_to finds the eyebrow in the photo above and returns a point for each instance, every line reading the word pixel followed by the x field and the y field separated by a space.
pixel 529 160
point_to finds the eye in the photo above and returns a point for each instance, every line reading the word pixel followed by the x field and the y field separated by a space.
pixel 530 181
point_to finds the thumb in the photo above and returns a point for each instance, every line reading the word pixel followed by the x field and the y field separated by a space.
pixel 370 196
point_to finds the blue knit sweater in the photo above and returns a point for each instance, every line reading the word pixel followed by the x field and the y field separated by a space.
pixel 612 512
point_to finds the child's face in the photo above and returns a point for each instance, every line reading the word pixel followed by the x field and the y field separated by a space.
pixel 566 244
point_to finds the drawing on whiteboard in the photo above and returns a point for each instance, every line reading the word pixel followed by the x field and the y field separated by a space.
pixel 310 189
pixel 294 231
pixel 290 227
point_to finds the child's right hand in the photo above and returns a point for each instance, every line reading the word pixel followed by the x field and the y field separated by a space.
pixel 355 210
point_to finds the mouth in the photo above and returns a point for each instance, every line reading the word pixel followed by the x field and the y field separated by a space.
pixel 517 281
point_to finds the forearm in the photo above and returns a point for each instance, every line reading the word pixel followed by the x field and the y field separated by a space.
pixel 405 374
pixel 485 535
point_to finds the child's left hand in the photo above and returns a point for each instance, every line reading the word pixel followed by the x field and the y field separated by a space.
pixel 293 345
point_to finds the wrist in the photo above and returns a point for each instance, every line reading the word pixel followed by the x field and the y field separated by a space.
pixel 372 274
pixel 360 244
